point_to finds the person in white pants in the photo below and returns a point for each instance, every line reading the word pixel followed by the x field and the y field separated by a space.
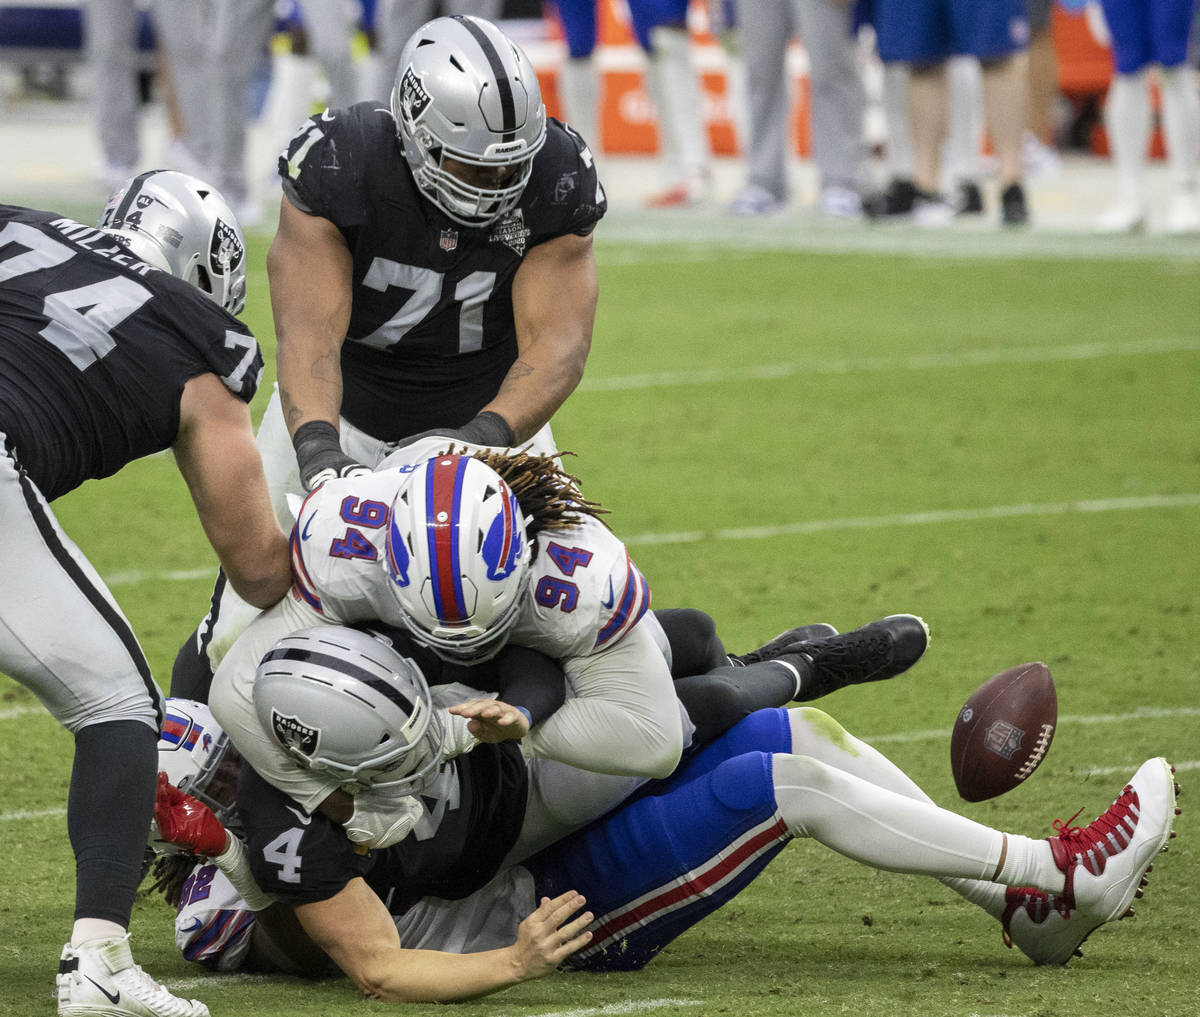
pixel 1145 33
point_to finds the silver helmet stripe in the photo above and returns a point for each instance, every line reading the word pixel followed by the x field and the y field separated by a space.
pixel 344 667
pixel 131 194
pixel 508 110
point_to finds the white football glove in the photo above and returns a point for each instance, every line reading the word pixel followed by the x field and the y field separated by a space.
pixel 380 820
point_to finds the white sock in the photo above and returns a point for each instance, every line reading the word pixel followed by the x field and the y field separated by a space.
pixel 580 84
pixel 1128 120
pixel 895 113
pixel 1181 123
pixel 879 827
pixel 678 102
pixel 964 138
pixel 87 930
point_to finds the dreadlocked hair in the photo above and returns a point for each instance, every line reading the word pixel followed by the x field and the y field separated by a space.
pixel 549 497
pixel 170 873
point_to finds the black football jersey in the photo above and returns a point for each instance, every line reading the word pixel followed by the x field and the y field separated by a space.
pixel 431 328
pixel 473 813
pixel 96 347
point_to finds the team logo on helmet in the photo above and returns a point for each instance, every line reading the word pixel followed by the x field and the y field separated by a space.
pixel 413 97
pixel 504 543
pixel 292 734
pixel 225 252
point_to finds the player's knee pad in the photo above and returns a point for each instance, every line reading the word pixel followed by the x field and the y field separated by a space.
pixel 766 731
pixel 813 731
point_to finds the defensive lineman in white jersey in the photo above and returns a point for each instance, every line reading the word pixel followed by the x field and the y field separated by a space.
pixel 580 601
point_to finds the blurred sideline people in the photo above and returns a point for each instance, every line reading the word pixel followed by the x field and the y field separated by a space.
pixel 111 29
pixel 660 27
pixel 397 20
pixel 109 353
pixel 765 28
pixel 1040 148
pixel 924 35
pixel 240 34
pixel 961 161
pixel 451 286
pixel 1145 33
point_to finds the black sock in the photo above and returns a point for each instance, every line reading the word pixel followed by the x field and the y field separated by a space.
pixel 108 815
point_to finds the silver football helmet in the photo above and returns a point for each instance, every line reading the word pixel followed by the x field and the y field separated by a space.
pixel 182 225
pixel 198 758
pixel 345 702
pixel 458 557
pixel 469 111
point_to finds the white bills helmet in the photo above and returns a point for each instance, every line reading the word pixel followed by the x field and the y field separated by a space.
pixel 458 557
pixel 182 225
pixel 198 758
pixel 469 111
pixel 346 703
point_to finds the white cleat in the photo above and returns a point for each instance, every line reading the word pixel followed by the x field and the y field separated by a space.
pixel 99 979
pixel 1105 865
pixel 1126 216
pixel 1183 213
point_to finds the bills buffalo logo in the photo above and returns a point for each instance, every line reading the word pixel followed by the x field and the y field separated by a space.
pixel 413 97
pixel 504 544
pixel 1003 739
pixel 448 240
pixel 293 735
pixel 511 230
pixel 225 251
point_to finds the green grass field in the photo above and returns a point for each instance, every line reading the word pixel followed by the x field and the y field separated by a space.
pixel 1008 446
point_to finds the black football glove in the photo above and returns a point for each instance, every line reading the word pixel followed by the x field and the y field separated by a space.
pixel 486 428
pixel 320 456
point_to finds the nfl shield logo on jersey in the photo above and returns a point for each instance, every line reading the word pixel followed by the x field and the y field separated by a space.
pixel 449 240
pixel 293 734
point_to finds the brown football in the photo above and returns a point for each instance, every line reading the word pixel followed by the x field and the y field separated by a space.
pixel 1003 731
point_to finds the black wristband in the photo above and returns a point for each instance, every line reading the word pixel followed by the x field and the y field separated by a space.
pixel 488 428
pixel 315 436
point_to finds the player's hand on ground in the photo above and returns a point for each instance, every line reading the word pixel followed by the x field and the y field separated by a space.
pixel 186 822
pixel 492 721
pixel 550 935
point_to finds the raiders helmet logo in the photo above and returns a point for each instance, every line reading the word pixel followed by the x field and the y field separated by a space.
pixel 225 252
pixel 413 97
pixel 295 736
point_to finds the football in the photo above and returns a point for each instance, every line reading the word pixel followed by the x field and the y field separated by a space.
pixel 1003 731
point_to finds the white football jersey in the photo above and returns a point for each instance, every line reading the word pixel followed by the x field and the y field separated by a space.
pixel 583 593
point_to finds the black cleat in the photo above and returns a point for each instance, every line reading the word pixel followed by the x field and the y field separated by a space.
pixel 778 645
pixel 969 199
pixel 873 653
pixel 1013 209
pixel 896 199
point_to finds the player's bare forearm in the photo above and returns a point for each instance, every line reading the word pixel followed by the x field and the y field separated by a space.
pixel 354 928
pixel 309 268
pixel 554 308
pixel 216 454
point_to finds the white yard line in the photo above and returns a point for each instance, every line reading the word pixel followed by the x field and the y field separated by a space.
pixel 1154 501
pixel 916 362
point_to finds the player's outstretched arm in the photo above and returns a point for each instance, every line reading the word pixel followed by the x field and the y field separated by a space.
pixel 216 454
pixel 554 306
pixel 309 268
pixel 354 928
